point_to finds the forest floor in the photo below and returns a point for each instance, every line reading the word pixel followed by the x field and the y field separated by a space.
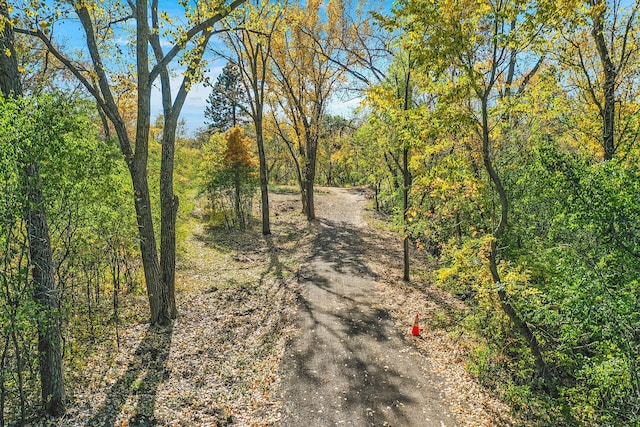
pixel 245 346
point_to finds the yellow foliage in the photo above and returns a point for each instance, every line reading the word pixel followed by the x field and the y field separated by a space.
pixel 469 269
pixel 237 153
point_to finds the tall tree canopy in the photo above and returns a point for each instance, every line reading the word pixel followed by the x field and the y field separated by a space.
pixel 303 84
pixel 100 73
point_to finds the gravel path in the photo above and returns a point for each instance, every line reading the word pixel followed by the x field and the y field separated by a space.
pixel 349 365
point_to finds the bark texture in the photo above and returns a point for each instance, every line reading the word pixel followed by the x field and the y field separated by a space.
pixel 506 306
pixel 41 258
pixel 264 177
pixel 607 112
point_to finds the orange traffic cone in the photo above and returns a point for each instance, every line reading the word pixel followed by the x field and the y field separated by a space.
pixel 416 328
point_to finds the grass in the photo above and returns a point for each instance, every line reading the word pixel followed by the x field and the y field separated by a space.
pixel 283 189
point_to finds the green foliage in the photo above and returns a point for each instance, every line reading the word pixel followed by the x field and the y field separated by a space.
pixel 569 257
pixel 227 103
pixel 570 269
pixel 595 282
pixel 85 190
pixel 187 187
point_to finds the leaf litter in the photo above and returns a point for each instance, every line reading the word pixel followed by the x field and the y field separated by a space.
pixel 217 365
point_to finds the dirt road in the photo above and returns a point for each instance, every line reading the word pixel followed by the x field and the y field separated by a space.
pixel 349 365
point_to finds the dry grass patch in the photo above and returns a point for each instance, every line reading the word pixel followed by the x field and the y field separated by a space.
pixel 218 363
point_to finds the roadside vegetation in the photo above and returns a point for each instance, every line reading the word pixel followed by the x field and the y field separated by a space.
pixel 498 138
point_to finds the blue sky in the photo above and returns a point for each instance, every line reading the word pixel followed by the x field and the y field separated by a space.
pixel 70 34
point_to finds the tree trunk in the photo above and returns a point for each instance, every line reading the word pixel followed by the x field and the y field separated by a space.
pixel 309 203
pixel 47 296
pixel 168 217
pixel 508 309
pixel 608 111
pixel 310 169
pixel 609 118
pixel 169 202
pixel 159 311
pixel 9 75
pixel 405 209
pixel 41 258
pixel 264 174
pixel 238 193
pixel 303 195
pixel 156 289
pixel 308 177
pixel 406 178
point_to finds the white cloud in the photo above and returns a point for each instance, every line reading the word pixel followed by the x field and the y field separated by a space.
pixel 342 107
pixel 196 102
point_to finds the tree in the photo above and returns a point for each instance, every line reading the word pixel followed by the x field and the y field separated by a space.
pixel 601 52
pixel 404 92
pixel 42 271
pixel 304 81
pixel 240 165
pixel 97 79
pixel 230 175
pixel 227 101
pixel 252 46
pixel 475 49
pixel 395 99
pixel 201 26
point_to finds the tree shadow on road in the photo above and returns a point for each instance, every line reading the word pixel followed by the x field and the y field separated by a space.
pixel 343 246
pixel 337 269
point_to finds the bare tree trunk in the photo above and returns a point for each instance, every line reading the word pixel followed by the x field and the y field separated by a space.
pixel 303 196
pixel 9 75
pixel 159 312
pixel 405 209
pixel 608 111
pixel 168 216
pixel 308 202
pixel 309 174
pixel 264 174
pixel 47 295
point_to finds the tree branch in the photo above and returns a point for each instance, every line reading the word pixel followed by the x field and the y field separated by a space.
pixel 177 48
